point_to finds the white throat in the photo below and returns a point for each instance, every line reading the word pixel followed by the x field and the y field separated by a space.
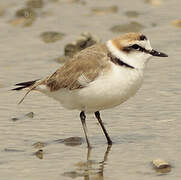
pixel 136 60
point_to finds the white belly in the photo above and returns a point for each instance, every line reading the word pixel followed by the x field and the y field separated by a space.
pixel 107 91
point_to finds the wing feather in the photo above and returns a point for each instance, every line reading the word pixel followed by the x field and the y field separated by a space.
pixel 82 69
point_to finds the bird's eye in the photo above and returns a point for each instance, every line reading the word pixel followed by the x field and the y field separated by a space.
pixel 143 37
pixel 135 46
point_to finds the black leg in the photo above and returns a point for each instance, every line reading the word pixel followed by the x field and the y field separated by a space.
pixel 83 117
pixel 97 114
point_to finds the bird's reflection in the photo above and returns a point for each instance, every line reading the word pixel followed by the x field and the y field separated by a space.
pixel 90 169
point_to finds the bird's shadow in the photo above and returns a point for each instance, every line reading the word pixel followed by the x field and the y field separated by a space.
pixel 90 168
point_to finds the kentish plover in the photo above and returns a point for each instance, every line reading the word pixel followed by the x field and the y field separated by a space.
pixel 99 77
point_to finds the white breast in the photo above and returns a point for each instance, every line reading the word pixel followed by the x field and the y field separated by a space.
pixel 111 89
pixel 108 90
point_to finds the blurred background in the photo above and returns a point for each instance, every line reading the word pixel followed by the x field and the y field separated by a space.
pixel 41 140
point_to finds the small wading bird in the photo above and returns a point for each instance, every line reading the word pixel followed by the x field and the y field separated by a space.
pixel 99 77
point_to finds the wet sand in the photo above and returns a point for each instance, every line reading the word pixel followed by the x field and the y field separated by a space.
pixel 142 129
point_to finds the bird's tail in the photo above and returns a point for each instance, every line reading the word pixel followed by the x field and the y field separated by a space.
pixel 30 85
pixel 24 85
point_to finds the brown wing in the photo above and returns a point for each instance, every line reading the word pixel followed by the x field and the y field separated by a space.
pixel 87 63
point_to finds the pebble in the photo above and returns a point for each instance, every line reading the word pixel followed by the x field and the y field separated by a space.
pixel 160 164
pixel 132 14
pixel 39 154
pixel 14 119
pixel 17 21
pixel 85 40
pixel 134 26
pixel 30 114
pixel 154 2
pixel 35 3
pixel 104 10
pixel 26 13
pixel 24 17
pixel 73 141
pixel 51 36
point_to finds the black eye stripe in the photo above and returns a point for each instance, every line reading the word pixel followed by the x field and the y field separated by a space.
pixel 135 47
pixel 138 48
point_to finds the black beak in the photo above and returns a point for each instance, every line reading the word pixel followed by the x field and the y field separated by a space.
pixel 156 53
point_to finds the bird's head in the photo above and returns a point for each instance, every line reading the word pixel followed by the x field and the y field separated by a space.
pixel 133 49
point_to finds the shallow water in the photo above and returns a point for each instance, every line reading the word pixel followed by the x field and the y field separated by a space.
pixel 144 128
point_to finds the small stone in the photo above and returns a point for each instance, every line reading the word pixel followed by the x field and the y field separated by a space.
pixel 24 17
pixel 177 23
pixel 132 14
pixel 73 141
pixel 35 3
pixel 160 164
pixel 154 2
pixel 51 36
pixel 104 10
pixel 39 145
pixel 85 40
pixel 39 154
pixel 25 22
pixel 26 13
pixel 14 119
pixel 17 21
pixel 134 26
pixel 30 114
